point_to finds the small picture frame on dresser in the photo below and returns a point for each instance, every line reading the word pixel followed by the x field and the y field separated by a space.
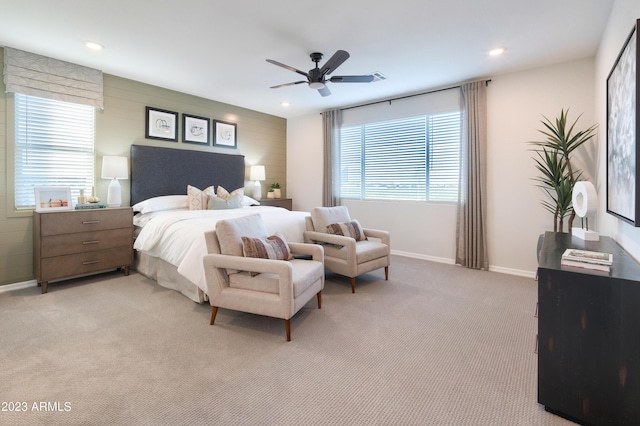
pixel 52 198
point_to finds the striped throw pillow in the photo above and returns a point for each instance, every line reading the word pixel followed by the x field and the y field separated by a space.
pixel 348 229
pixel 273 247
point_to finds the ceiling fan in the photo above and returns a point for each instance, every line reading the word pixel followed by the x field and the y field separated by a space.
pixel 316 77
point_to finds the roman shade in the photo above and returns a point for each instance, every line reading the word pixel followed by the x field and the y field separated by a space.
pixel 37 75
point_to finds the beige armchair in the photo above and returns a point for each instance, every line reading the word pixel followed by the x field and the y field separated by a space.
pixel 275 288
pixel 345 255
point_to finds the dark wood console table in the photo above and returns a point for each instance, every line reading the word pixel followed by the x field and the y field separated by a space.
pixel 589 335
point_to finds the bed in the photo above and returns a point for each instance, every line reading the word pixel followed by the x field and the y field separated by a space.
pixel 169 244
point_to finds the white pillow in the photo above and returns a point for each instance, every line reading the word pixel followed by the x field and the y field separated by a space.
pixel 248 201
pixel 165 202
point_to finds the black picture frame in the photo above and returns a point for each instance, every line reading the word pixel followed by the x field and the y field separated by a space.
pixel 195 129
pixel 161 124
pixel 225 134
pixel 623 119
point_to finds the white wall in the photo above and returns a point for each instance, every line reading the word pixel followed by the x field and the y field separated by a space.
pixel 623 16
pixel 426 230
pixel 516 104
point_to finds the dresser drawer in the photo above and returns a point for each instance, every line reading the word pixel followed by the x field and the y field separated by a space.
pixel 84 263
pixel 82 221
pixel 58 245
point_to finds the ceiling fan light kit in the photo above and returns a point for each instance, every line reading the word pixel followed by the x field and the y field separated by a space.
pixel 316 77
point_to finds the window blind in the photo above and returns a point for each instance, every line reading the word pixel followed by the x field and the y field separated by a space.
pixel 37 75
pixel 54 146
pixel 414 158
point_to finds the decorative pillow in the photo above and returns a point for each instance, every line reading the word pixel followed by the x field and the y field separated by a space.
pixel 273 247
pixel 348 229
pixel 223 193
pixel 198 198
pixel 166 202
pixel 217 203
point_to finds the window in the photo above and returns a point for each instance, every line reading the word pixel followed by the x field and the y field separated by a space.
pixel 415 158
pixel 53 147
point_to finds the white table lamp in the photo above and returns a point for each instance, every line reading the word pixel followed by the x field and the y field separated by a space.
pixel 114 168
pixel 257 174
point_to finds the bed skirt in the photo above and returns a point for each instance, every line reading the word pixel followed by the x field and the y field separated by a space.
pixel 166 275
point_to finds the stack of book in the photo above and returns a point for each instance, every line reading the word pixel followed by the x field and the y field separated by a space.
pixel 90 206
pixel 587 259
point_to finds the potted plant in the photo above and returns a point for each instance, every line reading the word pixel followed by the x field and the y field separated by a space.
pixel 271 193
pixel 277 191
pixel 553 161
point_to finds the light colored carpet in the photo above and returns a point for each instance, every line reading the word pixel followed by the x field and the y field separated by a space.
pixel 435 345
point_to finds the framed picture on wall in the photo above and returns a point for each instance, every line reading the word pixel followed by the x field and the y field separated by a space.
pixel 195 129
pixel 623 117
pixel 53 198
pixel 224 134
pixel 161 124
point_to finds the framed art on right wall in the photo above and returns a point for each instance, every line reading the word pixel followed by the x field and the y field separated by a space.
pixel 623 117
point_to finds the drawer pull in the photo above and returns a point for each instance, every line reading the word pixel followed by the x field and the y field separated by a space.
pixel 90 262
pixel 535 349
pixel 91 242
pixel 90 222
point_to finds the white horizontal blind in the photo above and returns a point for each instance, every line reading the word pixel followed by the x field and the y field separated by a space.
pixel 444 156
pixel 414 158
pixel 54 146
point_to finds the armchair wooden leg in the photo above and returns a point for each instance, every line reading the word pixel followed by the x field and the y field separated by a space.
pixel 386 273
pixel 214 311
pixel 353 284
pixel 319 296
pixel 287 328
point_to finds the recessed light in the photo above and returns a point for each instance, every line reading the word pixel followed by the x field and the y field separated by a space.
pixel 284 104
pixel 93 45
pixel 497 51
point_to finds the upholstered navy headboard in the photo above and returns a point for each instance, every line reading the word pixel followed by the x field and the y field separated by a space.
pixel 166 171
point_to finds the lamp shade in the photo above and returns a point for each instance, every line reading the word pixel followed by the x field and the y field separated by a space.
pixel 257 173
pixel 114 167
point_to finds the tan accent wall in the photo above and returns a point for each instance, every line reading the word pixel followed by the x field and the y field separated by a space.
pixel 261 139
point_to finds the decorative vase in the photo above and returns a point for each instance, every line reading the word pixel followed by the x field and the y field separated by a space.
pixel 277 193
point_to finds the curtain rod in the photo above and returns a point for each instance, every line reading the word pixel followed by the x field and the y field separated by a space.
pixel 410 96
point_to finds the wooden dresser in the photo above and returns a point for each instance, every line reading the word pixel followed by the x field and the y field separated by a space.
pixel 71 243
pixel 589 328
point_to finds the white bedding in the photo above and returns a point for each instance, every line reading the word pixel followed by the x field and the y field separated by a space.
pixel 177 236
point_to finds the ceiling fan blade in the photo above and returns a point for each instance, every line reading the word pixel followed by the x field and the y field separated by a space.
pixel 287 84
pixel 334 62
pixel 324 91
pixel 352 79
pixel 271 61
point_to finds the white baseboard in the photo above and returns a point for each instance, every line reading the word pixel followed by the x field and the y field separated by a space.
pixel 18 286
pixel 423 257
pixel 517 272
pixel 499 269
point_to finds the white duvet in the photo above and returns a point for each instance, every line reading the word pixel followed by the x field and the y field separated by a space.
pixel 177 236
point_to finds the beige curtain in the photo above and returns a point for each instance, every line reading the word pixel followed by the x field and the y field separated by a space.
pixel 331 171
pixel 471 243
pixel 36 75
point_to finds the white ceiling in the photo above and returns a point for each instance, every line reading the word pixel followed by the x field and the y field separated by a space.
pixel 216 49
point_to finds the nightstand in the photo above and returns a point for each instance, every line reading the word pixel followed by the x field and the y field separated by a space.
pixel 278 202
pixel 71 243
